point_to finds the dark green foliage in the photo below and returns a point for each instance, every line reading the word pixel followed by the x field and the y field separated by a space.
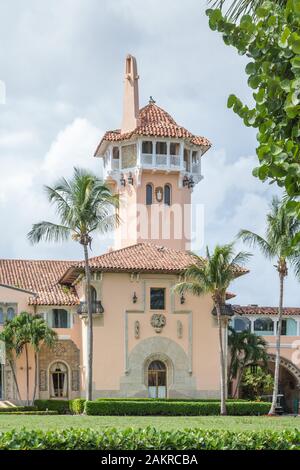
pixel 14 409
pixel 30 413
pixel 175 408
pixel 149 438
pixel 76 406
pixel 61 406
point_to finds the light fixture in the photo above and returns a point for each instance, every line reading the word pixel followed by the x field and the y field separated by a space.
pixel 122 180
pixel 182 299
pixel 134 298
pixel 191 183
pixel 185 181
pixel 130 178
pixel 100 307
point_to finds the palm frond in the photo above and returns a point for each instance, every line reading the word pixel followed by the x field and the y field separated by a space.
pixel 234 9
pixel 253 239
pixel 49 232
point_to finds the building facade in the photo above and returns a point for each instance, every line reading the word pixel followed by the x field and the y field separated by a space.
pixel 148 341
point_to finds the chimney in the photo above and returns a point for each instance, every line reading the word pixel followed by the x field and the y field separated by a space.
pixel 131 96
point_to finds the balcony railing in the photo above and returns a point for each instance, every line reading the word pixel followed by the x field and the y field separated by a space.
pixel 97 308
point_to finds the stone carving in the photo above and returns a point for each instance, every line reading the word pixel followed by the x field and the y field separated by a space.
pixel 43 380
pixel 158 321
pixel 137 329
pixel 59 349
pixel 179 329
pixel 75 380
pixel 159 194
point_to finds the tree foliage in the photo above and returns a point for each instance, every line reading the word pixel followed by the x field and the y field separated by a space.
pixel 271 40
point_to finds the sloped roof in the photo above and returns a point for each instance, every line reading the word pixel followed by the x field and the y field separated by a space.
pixel 41 277
pixel 156 122
pixel 142 257
pixel 257 310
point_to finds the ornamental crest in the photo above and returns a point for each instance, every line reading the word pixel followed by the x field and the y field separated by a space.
pixel 158 321
pixel 159 193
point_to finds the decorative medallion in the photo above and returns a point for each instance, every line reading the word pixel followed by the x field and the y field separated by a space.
pixel 159 193
pixel 158 321
pixel 59 349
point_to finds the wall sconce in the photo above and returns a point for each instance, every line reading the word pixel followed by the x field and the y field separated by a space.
pixel 130 178
pixel 122 180
pixel 191 182
pixel 134 298
pixel 185 181
pixel 182 299
pixel 101 308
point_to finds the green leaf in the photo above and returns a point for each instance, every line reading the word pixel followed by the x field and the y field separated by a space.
pixel 283 41
pixel 250 68
pixel 231 101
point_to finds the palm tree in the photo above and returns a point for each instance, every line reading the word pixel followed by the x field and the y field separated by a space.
pixel 213 276
pixel 21 325
pixel 246 349
pixel 278 244
pixel 84 205
pixel 40 334
pixel 8 336
pixel 237 8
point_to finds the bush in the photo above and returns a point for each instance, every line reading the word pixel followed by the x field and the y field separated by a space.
pixel 76 406
pixel 31 413
pixel 193 400
pixel 166 408
pixel 60 406
pixel 16 409
pixel 149 438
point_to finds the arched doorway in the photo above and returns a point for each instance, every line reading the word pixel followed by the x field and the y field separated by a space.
pixel 157 379
pixel 288 386
pixel 58 380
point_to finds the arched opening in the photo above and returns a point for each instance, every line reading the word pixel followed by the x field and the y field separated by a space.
pixel 167 194
pixel 10 313
pixel 58 380
pixel 288 390
pixel 157 379
pixel 149 194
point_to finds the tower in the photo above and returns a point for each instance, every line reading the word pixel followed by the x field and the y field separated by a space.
pixel 153 163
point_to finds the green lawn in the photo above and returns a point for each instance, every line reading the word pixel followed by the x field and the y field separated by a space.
pixel 177 422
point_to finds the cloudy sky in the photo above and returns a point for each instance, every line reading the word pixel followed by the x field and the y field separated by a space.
pixel 62 64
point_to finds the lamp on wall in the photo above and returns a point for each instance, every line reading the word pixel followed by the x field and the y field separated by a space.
pixel 130 178
pixel 191 183
pixel 182 299
pixel 185 181
pixel 101 308
pixel 122 180
pixel 134 298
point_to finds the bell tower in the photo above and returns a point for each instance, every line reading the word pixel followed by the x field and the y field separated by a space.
pixel 153 163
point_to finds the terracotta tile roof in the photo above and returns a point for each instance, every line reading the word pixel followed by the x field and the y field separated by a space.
pixel 40 277
pixel 155 122
pixel 257 310
pixel 142 257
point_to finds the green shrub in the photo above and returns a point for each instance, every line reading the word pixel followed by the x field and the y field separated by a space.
pixel 77 406
pixel 166 408
pixel 149 438
pixel 61 406
pixel 15 409
pixel 31 413
pixel 193 400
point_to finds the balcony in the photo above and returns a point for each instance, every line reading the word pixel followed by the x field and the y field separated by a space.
pixel 97 308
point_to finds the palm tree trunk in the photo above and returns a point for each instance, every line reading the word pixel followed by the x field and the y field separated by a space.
pixel 11 364
pixel 238 382
pixel 27 375
pixel 89 375
pixel 222 363
pixel 277 361
pixel 35 376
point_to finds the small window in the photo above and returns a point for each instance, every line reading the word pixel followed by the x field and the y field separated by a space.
pixel 161 148
pixel 147 147
pixel 288 327
pixel 10 313
pixel 1 316
pixel 174 148
pixel 157 298
pixel 194 157
pixel 149 194
pixel 167 195
pixel 116 153
pixel 93 295
pixel 60 318
pixel 241 324
pixel 186 158
pixel 264 327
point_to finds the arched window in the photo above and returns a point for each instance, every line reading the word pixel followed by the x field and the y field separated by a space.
pixel 264 327
pixel 167 195
pixel 58 380
pixel 157 379
pixel 241 324
pixel 1 316
pixel 10 313
pixel 93 295
pixel 149 194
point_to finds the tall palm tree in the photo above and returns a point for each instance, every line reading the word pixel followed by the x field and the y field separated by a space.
pixel 237 8
pixel 40 334
pixel 278 244
pixel 21 325
pixel 8 336
pixel 246 349
pixel 213 276
pixel 84 205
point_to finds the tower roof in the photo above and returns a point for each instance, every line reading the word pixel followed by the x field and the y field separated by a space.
pixel 154 121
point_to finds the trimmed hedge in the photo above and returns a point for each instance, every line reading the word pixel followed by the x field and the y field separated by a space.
pixel 17 409
pixel 166 408
pixel 76 406
pixel 193 400
pixel 60 406
pixel 31 413
pixel 149 438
